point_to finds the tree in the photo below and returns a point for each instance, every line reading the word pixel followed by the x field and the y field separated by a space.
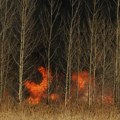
pixel 72 22
pixel 51 30
pixel 117 62
pixel 7 13
pixel 94 21
pixel 26 39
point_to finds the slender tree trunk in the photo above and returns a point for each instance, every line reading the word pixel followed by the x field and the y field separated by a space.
pixel 78 70
pixel 91 61
pixel 78 61
pixel 66 86
pixel 2 54
pixel 48 75
pixel 22 49
pixel 104 57
pixel 71 28
pixel 116 82
pixel 1 70
pixel 49 46
pixel 117 37
pixel 94 68
pixel 70 45
pixel 68 73
pixel 117 77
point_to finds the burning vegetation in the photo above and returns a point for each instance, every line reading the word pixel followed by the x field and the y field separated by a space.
pixel 81 80
pixel 37 90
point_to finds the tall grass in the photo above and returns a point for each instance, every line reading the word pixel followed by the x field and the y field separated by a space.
pixel 54 112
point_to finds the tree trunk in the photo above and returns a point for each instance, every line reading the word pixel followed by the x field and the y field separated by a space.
pixel 22 47
pixel 117 63
pixel 2 54
pixel 103 66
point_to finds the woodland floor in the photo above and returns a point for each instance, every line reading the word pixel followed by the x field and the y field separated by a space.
pixel 44 112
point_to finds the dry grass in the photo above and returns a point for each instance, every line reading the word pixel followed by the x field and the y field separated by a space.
pixel 55 112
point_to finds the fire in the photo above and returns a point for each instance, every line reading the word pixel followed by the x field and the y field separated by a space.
pixel 37 90
pixel 54 97
pixel 81 78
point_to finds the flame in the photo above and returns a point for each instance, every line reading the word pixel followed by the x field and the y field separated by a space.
pixel 37 90
pixel 54 97
pixel 82 78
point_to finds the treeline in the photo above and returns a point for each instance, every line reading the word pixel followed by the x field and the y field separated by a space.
pixel 69 36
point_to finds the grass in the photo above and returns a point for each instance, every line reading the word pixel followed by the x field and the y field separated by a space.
pixel 10 111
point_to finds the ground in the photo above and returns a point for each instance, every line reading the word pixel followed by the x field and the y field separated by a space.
pixel 55 112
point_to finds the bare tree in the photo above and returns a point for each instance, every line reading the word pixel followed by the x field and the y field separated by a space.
pixel 104 57
pixel 94 22
pixel 51 30
pixel 78 54
pixel 70 37
pixel 26 39
pixel 7 12
pixel 117 62
pixel 118 37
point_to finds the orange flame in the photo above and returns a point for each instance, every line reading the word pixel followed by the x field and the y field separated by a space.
pixel 37 90
pixel 54 97
pixel 82 78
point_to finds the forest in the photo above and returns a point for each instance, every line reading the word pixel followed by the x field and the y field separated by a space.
pixel 60 52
